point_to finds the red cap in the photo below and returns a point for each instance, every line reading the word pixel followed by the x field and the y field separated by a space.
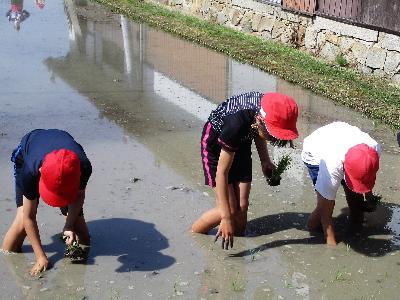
pixel 60 178
pixel 280 114
pixel 361 163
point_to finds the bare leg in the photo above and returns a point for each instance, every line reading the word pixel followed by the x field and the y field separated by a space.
pixel 207 221
pixel 354 200
pixel 321 218
pixel 242 192
pixel 314 221
pixel 212 217
pixel 16 234
pixel 325 208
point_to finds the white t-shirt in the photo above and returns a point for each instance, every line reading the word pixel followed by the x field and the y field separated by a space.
pixel 327 147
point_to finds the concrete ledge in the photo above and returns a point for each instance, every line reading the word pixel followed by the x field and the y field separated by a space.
pixel 345 29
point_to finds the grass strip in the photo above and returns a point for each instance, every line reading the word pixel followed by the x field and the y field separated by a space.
pixel 373 97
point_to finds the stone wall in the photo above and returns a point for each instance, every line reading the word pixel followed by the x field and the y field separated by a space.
pixel 367 50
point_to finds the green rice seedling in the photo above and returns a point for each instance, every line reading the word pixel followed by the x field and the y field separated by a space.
pixel 176 284
pixel 237 285
pixel 254 253
pixel 340 275
pixel 74 251
pixel 282 166
pixel 288 285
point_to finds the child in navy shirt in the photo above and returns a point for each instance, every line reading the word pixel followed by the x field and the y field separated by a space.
pixel 226 154
pixel 49 164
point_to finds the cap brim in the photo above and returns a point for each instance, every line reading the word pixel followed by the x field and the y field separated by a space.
pixel 358 186
pixel 53 199
pixel 282 134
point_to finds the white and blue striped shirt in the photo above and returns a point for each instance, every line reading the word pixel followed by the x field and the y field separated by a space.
pixel 251 100
pixel 232 119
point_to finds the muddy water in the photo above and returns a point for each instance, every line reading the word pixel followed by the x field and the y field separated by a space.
pixel 136 99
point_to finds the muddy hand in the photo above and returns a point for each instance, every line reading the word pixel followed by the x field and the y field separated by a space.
pixel 69 237
pixel 225 230
pixel 40 266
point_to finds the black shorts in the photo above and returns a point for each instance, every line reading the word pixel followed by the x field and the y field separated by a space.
pixel 241 169
pixel 18 160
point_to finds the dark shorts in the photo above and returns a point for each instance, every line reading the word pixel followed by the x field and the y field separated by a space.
pixel 241 169
pixel 18 160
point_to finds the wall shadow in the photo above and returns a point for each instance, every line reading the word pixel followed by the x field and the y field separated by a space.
pixel 135 244
pixel 370 239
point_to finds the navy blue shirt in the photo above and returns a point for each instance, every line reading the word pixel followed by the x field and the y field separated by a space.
pixel 34 147
pixel 232 119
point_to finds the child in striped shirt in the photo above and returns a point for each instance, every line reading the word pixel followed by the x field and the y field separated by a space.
pixel 226 154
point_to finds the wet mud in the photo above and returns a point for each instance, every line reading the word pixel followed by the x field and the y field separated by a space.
pixel 136 100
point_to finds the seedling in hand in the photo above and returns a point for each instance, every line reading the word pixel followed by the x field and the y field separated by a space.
pixel 282 166
pixel 74 251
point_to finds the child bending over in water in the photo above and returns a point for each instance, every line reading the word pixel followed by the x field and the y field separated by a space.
pixel 226 155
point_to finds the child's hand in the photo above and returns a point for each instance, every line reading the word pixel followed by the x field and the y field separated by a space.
pixel 225 230
pixel 69 236
pixel 40 266
pixel 268 168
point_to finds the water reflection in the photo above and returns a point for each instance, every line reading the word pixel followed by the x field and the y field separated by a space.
pixel 149 82
pixel 17 14
pixel 159 89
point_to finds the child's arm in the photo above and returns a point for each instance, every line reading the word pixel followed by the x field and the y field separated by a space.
pixel 32 231
pixel 267 165
pixel 325 209
pixel 226 227
pixel 74 210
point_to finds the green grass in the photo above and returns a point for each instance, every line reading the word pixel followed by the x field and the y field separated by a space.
pixel 341 60
pixel 340 276
pixel 373 97
pixel 237 284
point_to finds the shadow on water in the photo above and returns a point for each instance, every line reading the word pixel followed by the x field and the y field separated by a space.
pixel 378 236
pixel 135 244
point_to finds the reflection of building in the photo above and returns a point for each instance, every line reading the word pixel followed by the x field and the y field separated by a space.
pixel 150 82
pixel 157 87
